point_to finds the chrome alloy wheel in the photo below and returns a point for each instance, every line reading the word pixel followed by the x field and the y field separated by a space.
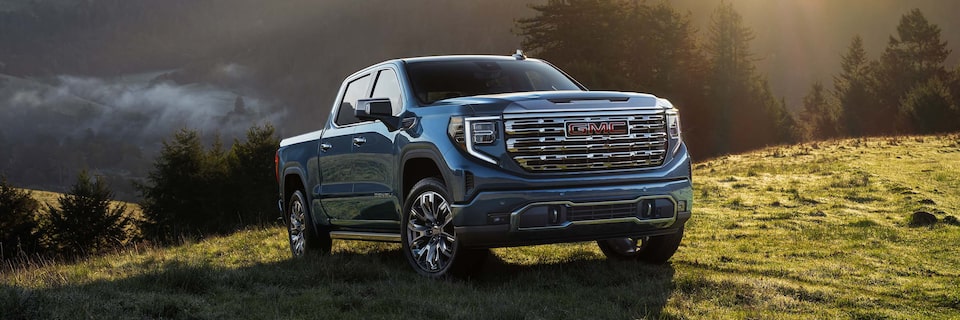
pixel 430 236
pixel 297 228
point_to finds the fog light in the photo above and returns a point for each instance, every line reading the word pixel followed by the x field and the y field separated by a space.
pixel 554 214
pixel 498 218
pixel 682 206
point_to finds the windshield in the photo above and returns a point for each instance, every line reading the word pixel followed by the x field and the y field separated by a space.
pixel 437 80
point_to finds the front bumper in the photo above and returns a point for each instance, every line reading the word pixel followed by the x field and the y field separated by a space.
pixel 515 218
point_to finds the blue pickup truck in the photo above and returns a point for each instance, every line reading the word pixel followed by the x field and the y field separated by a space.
pixel 453 155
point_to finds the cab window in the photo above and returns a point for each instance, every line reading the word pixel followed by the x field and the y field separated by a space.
pixel 387 86
pixel 356 90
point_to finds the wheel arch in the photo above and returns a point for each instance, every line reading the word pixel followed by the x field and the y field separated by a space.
pixel 423 163
pixel 293 180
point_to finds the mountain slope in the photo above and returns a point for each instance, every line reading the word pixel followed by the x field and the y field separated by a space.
pixel 808 231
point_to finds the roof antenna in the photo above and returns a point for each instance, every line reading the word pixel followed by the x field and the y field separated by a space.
pixel 519 55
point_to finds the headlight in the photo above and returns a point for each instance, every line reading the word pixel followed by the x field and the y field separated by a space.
pixel 673 124
pixel 467 133
pixel 673 130
pixel 484 132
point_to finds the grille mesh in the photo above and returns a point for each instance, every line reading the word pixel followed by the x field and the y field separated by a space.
pixel 543 145
pixel 596 212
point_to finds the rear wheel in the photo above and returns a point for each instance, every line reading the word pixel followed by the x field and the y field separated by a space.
pixel 304 237
pixel 428 237
pixel 655 249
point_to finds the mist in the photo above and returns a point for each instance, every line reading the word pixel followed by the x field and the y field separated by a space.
pixel 115 126
pixel 137 107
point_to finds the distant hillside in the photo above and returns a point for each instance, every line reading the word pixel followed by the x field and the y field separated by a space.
pixel 820 230
pixel 51 198
pixel 54 127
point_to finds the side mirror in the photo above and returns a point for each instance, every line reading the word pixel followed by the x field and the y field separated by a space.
pixel 378 109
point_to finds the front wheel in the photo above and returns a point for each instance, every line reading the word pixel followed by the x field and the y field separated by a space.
pixel 304 237
pixel 428 237
pixel 655 250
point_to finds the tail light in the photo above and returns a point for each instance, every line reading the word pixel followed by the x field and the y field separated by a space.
pixel 276 165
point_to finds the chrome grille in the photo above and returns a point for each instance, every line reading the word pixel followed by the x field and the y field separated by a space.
pixel 542 144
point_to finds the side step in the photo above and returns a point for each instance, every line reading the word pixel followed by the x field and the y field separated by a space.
pixel 365 236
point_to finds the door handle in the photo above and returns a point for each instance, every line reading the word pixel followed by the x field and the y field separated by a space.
pixel 325 146
pixel 357 141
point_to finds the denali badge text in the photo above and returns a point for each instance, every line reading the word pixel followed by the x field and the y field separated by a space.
pixel 596 128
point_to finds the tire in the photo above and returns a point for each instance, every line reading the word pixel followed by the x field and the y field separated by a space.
pixel 304 238
pixel 653 250
pixel 427 234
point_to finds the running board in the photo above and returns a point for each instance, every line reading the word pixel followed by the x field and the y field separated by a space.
pixel 366 236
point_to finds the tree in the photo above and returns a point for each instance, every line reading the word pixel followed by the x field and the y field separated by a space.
pixel 851 88
pixel 252 175
pixel 930 108
pixel 18 221
pixel 912 58
pixel 193 191
pixel 744 111
pixel 661 56
pixel 580 35
pixel 173 202
pixel 819 115
pixel 85 222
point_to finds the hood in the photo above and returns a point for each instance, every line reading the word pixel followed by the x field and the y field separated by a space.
pixel 540 101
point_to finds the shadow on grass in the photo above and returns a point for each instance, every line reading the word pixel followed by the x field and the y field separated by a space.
pixel 358 285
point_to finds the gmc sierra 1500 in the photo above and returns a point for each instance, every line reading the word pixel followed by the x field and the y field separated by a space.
pixel 453 155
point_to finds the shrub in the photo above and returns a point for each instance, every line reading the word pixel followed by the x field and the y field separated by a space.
pixel 85 221
pixel 18 221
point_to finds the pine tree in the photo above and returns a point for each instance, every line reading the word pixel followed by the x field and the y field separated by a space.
pixel 851 88
pixel 931 108
pixel 18 221
pixel 85 222
pixel 251 174
pixel 583 36
pixel 744 111
pixel 173 196
pixel 912 58
pixel 819 115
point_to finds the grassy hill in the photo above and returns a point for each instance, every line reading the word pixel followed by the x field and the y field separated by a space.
pixel 810 231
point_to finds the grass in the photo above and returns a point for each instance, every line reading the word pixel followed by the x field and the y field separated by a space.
pixel 793 232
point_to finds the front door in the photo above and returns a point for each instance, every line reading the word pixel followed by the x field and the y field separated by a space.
pixel 375 159
pixel 337 161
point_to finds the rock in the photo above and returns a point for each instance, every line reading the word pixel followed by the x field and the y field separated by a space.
pixel 927 201
pixel 922 218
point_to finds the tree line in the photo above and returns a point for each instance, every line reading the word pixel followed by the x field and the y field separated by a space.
pixel 726 104
pixel 907 90
pixel 191 191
